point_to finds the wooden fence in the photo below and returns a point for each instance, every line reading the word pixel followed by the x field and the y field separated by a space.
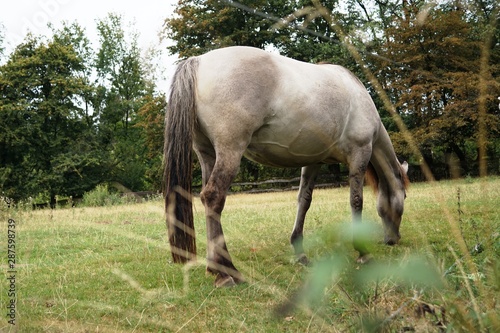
pixel 279 185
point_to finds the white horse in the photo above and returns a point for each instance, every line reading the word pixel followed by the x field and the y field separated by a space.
pixel 276 111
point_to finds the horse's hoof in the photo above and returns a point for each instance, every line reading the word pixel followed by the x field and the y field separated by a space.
pixel 364 259
pixel 223 281
pixel 302 259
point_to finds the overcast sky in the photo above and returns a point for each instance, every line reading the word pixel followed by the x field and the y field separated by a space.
pixel 20 16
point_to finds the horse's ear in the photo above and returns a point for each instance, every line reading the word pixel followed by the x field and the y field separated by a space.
pixel 404 165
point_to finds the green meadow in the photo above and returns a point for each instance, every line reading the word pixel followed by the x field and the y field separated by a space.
pixel 108 269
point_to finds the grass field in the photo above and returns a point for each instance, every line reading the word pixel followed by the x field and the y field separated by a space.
pixel 109 269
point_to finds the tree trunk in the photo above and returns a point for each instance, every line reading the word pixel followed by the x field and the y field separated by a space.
pixel 52 201
pixel 461 156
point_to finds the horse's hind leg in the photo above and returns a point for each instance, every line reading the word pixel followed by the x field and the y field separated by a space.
pixel 213 197
pixel 206 156
pixel 307 179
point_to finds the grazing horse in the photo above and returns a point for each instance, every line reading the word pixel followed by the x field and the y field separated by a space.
pixel 242 101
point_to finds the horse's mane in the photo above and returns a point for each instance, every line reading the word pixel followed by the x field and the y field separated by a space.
pixel 372 179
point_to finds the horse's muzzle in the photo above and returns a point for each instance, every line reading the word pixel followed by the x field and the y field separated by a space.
pixel 391 242
pixel 392 239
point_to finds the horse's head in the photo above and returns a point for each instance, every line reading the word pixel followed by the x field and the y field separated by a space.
pixel 390 204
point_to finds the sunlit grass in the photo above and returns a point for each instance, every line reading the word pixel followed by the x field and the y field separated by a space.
pixel 109 269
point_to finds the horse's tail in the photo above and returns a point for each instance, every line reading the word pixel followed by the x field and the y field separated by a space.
pixel 180 122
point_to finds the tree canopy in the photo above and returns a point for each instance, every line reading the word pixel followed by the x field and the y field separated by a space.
pixel 69 114
pixel 42 93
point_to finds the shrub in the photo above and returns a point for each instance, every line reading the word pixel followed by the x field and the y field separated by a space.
pixel 101 196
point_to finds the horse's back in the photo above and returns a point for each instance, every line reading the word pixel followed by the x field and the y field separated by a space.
pixel 288 113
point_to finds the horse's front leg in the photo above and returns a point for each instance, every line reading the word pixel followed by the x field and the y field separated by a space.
pixel 357 170
pixel 307 179
pixel 213 197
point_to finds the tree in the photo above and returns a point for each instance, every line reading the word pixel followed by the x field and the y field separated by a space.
pixel 45 139
pixel 62 131
pixel 151 120
pixel 74 36
pixel 200 26
pixel 120 71
pixel 434 77
pixel 122 89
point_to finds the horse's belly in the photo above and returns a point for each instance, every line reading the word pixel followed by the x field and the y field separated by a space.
pixel 275 158
pixel 278 154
